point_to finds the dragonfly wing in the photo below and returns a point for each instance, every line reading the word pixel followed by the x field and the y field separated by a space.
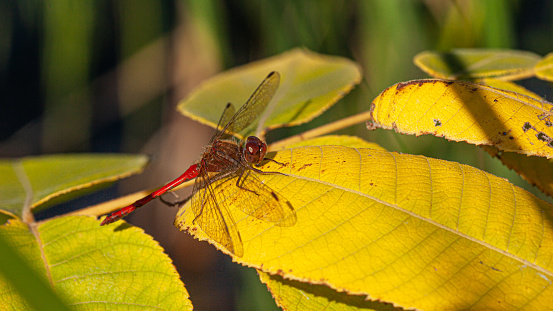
pixel 227 115
pixel 257 199
pixel 255 105
pixel 214 218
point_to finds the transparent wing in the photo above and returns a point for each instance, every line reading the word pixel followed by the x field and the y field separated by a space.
pixel 255 105
pixel 227 115
pixel 256 199
pixel 214 218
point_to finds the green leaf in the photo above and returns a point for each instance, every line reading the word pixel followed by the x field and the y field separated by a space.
pixel 31 181
pixel 95 267
pixel 310 83
pixel 477 63
pixel 19 276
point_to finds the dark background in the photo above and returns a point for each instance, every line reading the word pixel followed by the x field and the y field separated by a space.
pixel 106 76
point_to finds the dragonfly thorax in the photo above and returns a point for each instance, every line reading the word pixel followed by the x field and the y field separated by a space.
pixel 220 156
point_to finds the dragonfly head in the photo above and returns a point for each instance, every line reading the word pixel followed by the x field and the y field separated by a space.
pixel 254 150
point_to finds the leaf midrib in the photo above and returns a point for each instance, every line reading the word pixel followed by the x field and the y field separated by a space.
pixel 27 215
pixel 435 223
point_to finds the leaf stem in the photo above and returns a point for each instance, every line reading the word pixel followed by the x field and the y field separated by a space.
pixel 321 130
pixel 112 205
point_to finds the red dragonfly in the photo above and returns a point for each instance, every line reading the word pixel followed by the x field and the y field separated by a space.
pixel 229 163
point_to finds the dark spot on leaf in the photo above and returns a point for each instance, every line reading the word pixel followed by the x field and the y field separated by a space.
pixel 437 122
pixel 405 84
pixel 474 89
pixel 448 83
pixel 548 123
pixel 526 126
pixel 495 100
pixel 274 195
pixel 371 109
pixel 511 137
pixel 371 125
pixel 304 166
pixel 543 137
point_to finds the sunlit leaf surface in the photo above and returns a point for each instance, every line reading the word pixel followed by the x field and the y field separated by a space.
pixel 544 68
pixel 415 231
pixel 96 268
pixel 310 83
pixel 465 111
pixel 477 63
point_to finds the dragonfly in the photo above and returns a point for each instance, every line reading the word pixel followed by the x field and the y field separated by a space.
pixel 226 174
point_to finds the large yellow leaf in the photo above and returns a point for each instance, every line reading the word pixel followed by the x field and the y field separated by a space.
pixel 31 181
pixel 95 268
pixel 465 111
pixel 415 231
pixel 310 83
pixel 477 63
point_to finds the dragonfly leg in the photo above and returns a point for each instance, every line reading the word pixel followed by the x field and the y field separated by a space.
pixel 242 187
pixel 272 160
pixel 175 203
pixel 263 172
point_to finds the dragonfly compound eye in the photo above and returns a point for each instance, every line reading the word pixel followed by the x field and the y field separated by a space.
pixel 254 149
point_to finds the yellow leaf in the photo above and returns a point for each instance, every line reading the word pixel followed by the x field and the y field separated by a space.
pixel 340 140
pixel 415 231
pixel 508 86
pixel 310 83
pixel 535 170
pixel 96 267
pixel 477 63
pixel 294 295
pixel 465 111
pixel 544 68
